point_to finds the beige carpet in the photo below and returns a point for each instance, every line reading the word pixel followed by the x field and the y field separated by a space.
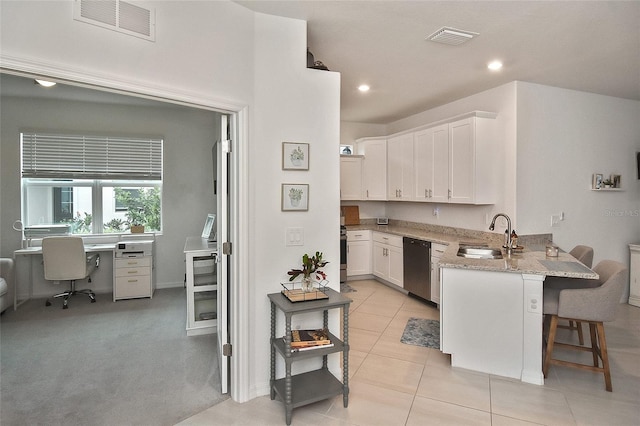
pixel 105 363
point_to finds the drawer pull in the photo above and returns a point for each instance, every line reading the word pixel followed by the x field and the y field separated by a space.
pixel 132 272
pixel 132 281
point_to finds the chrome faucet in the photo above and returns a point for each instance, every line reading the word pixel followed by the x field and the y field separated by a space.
pixel 493 225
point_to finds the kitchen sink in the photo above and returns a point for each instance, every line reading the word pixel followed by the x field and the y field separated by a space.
pixel 479 252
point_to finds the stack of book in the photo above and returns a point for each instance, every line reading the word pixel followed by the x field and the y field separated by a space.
pixel 303 340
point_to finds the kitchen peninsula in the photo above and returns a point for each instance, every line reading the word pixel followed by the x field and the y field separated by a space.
pixel 491 309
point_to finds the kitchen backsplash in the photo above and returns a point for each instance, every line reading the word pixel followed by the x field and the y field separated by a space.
pixel 495 238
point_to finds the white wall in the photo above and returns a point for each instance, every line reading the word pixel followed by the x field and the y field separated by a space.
pixel 351 131
pixel 300 105
pixel 565 136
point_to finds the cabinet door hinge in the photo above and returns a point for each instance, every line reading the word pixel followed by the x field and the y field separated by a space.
pixel 226 248
pixel 226 349
pixel 226 146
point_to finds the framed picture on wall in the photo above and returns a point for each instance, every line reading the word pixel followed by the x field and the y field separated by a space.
pixel 616 181
pixel 596 181
pixel 295 156
pixel 295 197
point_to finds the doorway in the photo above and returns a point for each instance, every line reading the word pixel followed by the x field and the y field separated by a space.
pixel 235 121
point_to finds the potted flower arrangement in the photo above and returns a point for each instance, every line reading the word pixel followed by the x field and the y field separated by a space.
pixel 310 265
pixel 297 156
pixel 295 195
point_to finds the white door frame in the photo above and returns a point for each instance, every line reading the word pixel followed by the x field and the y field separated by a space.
pixel 239 312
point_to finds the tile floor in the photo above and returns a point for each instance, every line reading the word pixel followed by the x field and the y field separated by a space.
pixel 396 384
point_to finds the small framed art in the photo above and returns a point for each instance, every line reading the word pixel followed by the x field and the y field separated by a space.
pixel 596 181
pixel 295 197
pixel 295 156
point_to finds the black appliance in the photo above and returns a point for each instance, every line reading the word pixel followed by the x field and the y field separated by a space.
pixel 343 253
pixel 416 261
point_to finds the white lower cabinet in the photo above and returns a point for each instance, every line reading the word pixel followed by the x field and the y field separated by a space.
pixel 387 257
pixel 358 253
pixel 437 250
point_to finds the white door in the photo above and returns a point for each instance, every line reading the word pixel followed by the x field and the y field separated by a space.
pixel 222 195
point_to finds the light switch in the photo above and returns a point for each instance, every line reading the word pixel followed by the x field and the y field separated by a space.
pixel 294 237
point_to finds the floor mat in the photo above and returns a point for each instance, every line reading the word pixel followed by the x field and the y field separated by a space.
pixel 422 332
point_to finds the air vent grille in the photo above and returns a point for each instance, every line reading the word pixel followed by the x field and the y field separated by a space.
pixel 117 15
pixel 101 11
pixel 452 36
pixel 135 18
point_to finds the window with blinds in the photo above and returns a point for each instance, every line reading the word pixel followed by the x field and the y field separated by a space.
pixel 96 184
pixel 49 155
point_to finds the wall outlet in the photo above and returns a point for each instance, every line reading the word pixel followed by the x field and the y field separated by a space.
pixel 534 304
pixel 557 218
pixel 294 237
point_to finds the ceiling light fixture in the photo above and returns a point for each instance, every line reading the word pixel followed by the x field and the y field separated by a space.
pixel 45 83
pixel 453 36
pixel 494 65
pixel 364 88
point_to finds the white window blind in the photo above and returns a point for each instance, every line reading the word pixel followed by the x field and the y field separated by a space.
pixel 48 155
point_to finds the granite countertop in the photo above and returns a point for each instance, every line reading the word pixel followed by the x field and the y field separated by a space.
pixel 531 260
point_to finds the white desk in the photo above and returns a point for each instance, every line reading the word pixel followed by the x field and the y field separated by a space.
pixel 33 251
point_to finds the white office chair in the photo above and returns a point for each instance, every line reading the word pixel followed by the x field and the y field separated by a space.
pixel 65 259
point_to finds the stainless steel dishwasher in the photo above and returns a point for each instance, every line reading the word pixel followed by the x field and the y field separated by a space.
pixel 416 261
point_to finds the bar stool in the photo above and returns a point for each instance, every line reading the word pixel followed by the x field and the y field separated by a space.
pixel 593 305
pixel 585 255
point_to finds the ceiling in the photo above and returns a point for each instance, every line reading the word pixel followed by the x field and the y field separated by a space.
pixel 592 46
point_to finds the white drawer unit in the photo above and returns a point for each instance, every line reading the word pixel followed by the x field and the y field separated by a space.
pixel 133 270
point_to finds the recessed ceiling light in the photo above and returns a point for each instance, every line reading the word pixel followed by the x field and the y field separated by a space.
pixel 364 88
pixel 494 65
pixel 45 83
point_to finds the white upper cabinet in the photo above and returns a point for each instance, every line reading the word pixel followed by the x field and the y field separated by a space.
pixel 472 148
pixel 374 168
pixel 400 179
pixel 350 177
pixel 451 161
pixel 431 153
pixel 454 162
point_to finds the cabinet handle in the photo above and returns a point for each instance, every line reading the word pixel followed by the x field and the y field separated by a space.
pixel 449 194
pixel 132 272
pixel 367 193
pixel 430 194
pixel 132 281
pixel 400 192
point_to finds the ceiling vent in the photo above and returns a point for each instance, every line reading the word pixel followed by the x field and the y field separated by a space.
pixel 448 35
pixel 117 15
